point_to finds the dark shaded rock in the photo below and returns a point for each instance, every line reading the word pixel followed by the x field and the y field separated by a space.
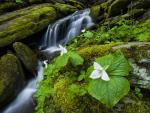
pixel 11 78
pixel 26 55
pixel 7 6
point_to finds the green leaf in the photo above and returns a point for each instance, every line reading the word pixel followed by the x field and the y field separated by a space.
pixel 75 59
pixel 88 34
pixel 117 64
pixel 19 1
pixel 61 61
pixel 81 76
pixel 109 93
pixel 49 70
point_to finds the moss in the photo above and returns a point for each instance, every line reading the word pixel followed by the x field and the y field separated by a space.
pixel 7 6
pixel 64 99
pixel 137 50
pixel 95 11
pixel 132 104
pixel 12 77
pixel 76 3
pixel 64 9
pixel 26 25
pixel 89 53
pixel 26 55
pixel 35 1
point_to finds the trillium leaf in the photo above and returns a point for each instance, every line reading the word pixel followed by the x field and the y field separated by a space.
pixel 109 93
pixel 61 61
pixel 117 64
pixel 75 58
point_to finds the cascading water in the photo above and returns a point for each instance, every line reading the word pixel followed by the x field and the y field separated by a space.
pixel 66 29
pixel 58 33
pixel 24 101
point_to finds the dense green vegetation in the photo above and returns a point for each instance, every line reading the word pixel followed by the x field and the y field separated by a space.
pixel 105 70
pixel 67 87
pixel 122 31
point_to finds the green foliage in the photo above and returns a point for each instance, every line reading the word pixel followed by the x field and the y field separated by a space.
pixel 53 73
pixel 88 34
pixel 138 92
pixel 19 1
pixel 122 31
pixel 110 92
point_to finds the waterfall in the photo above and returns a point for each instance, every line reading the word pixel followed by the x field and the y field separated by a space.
pixel 58 33
pixel 62 31
pixel 24 101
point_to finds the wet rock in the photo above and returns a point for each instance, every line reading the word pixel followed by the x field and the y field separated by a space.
pixel 11 78
pixel 26 55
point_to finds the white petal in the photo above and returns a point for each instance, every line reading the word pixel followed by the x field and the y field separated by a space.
pixel 65 50
pixel 83 30
pixel 105 76
pixel 95 74
pixel 97 66
pixel 61 53
pixel 61 47
pixel 45 62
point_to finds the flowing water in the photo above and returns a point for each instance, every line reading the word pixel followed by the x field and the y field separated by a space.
pixel 62 31
pixel 58 33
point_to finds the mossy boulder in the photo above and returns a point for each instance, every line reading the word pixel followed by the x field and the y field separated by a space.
pixel 64 9
pixel 111 8
pixel 20 24
pixel 7 6
pixel 26 55
pixel 27 22
pixel 11 78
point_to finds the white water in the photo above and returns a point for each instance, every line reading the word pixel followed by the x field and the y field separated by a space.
pixel 62 31
pixel 24 102
pixel 58 33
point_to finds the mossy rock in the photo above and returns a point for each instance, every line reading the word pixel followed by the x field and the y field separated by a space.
pixel 7 6
pixel 28 21
pixel 20 24
pixel 64 9
pixel 35 1
pixel 11 78
pixel 118 7
pixel 26 55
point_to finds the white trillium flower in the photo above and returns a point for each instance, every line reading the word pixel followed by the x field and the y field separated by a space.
pixel 62 50
pixel 99 72
pixel 83 30
pixel 45 62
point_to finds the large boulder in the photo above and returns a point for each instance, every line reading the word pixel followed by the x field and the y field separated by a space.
pixel 111 8
pixel 26 55
pixel 20 24
pixel 11 78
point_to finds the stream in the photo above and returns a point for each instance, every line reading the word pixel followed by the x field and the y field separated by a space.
pixel 59 33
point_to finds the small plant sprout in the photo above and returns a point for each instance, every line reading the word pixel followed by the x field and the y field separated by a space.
pixel 62 50
pixel 99 72
pixel 45 62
